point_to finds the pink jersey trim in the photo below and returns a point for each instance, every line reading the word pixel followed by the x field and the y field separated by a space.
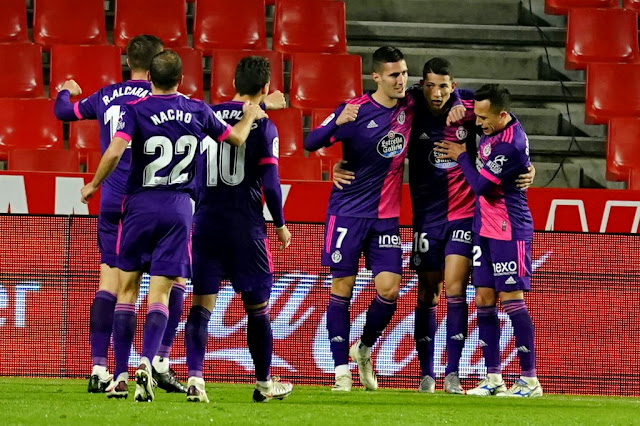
pixel 76 110
pixel 484 173
pixel 122 135
pixel 180 285
pixel 190 250
pixel 268 251
pixel 461 200
pixel 135 101
pixel 329 236
pixel 362 99
pixel 521 255
pixel 225 135
pixel 268 160
pixel 494 219
pixel 120 227
pixel 158 307
pixel 125 307
pixel 507 135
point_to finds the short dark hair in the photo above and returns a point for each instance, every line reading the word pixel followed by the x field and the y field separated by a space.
pixel 438 66
pixel 141 49
pixel 166 69
pixel 498 96
pixel 385 54
pixel 252 73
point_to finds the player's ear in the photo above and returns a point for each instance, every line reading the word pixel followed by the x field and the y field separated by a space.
pixel 454 85
pixel 265 89
pixel 148 75
pixel 181 79
pixel 376 77
pixel 128 63
pixel 234 84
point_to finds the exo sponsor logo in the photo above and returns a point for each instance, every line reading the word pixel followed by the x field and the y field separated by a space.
pixel 504 268
pixel 461 236
pixel 392 241
pixel 391 145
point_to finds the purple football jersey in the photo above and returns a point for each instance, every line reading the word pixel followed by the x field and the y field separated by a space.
pixel 104 106
pixel 374 146
pixel 439 191
pixel 503 213
pixel 231 178
pixel 165 131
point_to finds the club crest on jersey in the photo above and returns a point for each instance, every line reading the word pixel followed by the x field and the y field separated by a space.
pixel 486 151
pixel 391 145
pixel 461 133
pixel 336 256
pixel 417 260
pixel 401 117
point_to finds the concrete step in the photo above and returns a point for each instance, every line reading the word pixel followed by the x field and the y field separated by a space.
pixel 488 12
pixel 556 175
pixel 466 63
pixel 539 121
pixel 412 33
pixel 565 146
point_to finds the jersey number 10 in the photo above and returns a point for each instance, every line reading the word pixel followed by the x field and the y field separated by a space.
pixel 224 161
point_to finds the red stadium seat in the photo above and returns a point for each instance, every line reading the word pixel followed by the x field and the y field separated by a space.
pixel 300 168
pixel 84 137
pixel 324 81
pixel 562 7
pixel 612 91
pixel 192 67
pixel 22 71
pixel 93 159
pixel 601 35
pixel 69 22
pixel 166 20
pixel 13 26
pixel 316 26
pixel 289 124
pixel 41 160
pixel 318 116
pixel 92 67
pixel 632 5
pixel 223 24
pixel 623 147
pixel 223 69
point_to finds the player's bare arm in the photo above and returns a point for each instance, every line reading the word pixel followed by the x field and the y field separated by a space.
pixel 73 87
pixel 107 165
pixel 284 236
pixel 456 113
pixel 348 114
pixel 525 180
pixel 240 132
pixel 342 176
pixel 450 150
pixel 275 101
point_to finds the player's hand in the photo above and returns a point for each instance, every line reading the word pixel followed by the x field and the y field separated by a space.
pixel 73 87
pixel 253 111
pixel 524 181
pixel 284 236
pixel 456 113
pixel 349 113
pixel 275 100
pixel 342 176
pixel 450 150
pixel 87 191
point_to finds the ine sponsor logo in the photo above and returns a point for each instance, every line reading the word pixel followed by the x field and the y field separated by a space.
pixel 461 236
pixel 392 241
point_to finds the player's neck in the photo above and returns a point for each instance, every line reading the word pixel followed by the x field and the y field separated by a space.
pixel 257 99
pixel 138 75
pixel 383 99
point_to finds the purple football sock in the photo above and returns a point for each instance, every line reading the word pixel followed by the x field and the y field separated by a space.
pixel 124 328
pixel 154 326
pixel 424 333
pixel 338 324
pixel 260 341
pixel 195 339
pixel 176 300
pixel 457 320
pixel 100 325
pixel 379 315
pixel 524 333
pixel 489 334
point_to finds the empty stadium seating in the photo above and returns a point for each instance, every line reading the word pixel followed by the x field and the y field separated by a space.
pixel 612 91
pixel 300 168
pixel 84 137
pixel 13 26
pixel 223 69
pixel 223 24
pixel 331 154
pixel 22 71
pixel 561 7
pixel 69 22
pixel 289 124
pixel 28 123
pixel 632 5
pixel 324 81
pixel 623 147
pixel 601 35
pixel 92 67
pixel 310 26
pixel 40 160
pixel 192 67
pixel 167 21
pixel 92 161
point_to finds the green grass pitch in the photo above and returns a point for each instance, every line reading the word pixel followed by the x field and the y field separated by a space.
pixel 65 401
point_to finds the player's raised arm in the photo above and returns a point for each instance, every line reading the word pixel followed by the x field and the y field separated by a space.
pixel 237 135
pixel 66 110
pixel 325 135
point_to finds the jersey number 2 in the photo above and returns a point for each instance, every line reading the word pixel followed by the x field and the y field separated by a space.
pixel 185 144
